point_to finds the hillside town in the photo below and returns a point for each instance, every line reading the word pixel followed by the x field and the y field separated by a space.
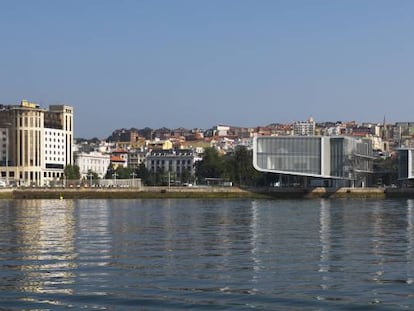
pixel 39 149
pixel 175 151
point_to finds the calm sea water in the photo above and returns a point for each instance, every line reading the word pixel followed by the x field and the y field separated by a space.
pixel 207 254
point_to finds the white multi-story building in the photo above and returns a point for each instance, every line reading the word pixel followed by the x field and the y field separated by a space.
pixel 95 162
pixel 54 152
pixel 304 128
pixel 36 144
pixel 222 130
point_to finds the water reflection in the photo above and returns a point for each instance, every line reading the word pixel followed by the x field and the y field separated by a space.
pixel 410 239
pixel 366 244
pixel 231 254
pixel 378 243
pixel 200 244
pixel 93 242
pixel 255 240
pixel 37 245
pixel 93 232
pixel 325 240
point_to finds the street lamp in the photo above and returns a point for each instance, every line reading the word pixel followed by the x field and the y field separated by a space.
pixel 133 174
pixel 114 175
pixel 90 175
pixel 7 157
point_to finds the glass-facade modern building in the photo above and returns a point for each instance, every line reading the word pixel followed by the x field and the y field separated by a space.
pixel 405 163
pixel 337 157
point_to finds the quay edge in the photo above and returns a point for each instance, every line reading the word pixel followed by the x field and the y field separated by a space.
pixel 206 192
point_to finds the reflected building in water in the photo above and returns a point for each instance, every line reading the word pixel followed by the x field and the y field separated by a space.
pixel 45 233
pixel 376 234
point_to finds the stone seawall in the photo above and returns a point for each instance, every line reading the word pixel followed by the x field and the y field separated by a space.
pixel 204 192
pixel 129 193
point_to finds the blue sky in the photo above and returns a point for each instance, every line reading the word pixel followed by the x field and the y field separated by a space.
pixel 196 63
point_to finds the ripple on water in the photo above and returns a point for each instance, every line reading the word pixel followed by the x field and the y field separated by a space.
pixel 206 254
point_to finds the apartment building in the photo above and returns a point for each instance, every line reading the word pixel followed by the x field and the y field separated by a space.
pixel 36 144
pixel 304 128
pixel 136 157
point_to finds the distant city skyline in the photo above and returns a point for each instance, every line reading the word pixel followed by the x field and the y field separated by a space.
pixel 155 63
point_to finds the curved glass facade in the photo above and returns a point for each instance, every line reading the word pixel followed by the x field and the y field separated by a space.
pixel 294 154
pixel 318 156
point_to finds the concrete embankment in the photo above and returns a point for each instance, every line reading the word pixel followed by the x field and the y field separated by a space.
pixel 129 193
pixel 321 192
pixel 204 192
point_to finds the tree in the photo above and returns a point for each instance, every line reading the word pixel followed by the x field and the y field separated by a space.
pixel 123 172
pixel 143 173
pixel 385 171
pixel 211 166
pixel 110 171
pixel 239 168
pixel 72 172
pixel 185 176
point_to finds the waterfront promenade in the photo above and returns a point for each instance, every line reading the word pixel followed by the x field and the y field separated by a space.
pixel 204 192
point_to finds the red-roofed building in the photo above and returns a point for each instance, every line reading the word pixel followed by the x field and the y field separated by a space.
pixel 119 158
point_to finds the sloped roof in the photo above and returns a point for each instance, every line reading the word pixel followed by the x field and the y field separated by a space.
pixel 117 159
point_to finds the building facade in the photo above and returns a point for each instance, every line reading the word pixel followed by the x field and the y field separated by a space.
pixel 174 161
pixel 158 144
pixel 136 158
pixel 95 162
pixel 304 128
pixel 405 163
pixel 327 157
pixel 54 153
pixel 36 143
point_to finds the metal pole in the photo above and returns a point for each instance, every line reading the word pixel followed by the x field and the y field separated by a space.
pixel 133 174
pixel 7 157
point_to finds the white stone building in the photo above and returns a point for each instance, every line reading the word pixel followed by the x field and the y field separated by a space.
pixel 304 128
pixel 96 162
pixel 54 153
